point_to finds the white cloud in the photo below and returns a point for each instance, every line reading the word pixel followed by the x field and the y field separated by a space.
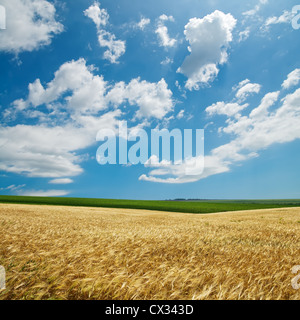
pixel 292 80
pixel 99 16
pixel 153 99
pixel 167 61
pixel 268 100
pixel 164 17
pixel 143 23
pixel 13 187
pixel 116 48
pixel 79 104
pixel 255 10
pixel 165 40
pixel 209 40
pixel 244 35
pixel 251 134
pixel 180 114
pixel 153 162
pixel 177 173
pixel 61 181
pixel 37 151
pixel 49 149
pixel 228 109
pixel 252 12
pixel 208 125
pixel 84 92
pixel 50 152
pixel 286 17
pixel 162 32
pixel 246 88
pixel 263 128
pixel 254 16
pixel 42 193
pixel 30 24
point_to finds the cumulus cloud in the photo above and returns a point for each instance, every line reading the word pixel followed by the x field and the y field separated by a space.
pixel 99 16
pixel 292 79
pixel 246 88
pixel 83 92
pixel 251 134
pixel 163 33
pixel 262 128
pixel 51 152
pixel 177 173
pixel 153 99
pixel 116 48
pixel 268 101
pixel 77 89
pixel 37 151
pixel 64 116
pixel 228 109
pixel 209 39
pixel 30 24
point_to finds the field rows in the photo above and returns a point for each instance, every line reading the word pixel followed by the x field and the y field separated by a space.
pixel 203 206
pixel 52 252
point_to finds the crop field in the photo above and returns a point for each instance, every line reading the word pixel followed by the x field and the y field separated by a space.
pixel 61 252
pixel 204 206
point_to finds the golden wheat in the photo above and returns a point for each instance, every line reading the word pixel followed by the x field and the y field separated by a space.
pixel 96 253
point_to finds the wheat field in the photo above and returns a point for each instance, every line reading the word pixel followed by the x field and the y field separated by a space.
pixel 52 252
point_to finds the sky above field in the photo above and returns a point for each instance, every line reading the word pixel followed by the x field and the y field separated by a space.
pixel 71 68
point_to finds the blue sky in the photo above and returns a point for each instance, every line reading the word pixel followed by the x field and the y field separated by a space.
pixel 71 68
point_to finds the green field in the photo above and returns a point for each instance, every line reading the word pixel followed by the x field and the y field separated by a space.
pixel 199 206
